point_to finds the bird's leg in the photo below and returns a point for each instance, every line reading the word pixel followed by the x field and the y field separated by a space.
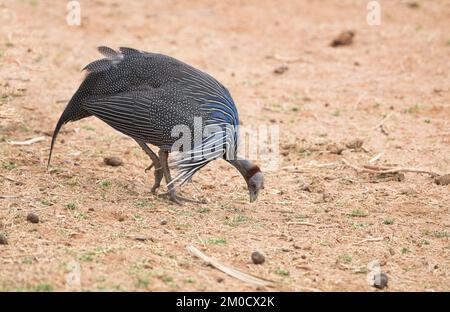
pixel 163 157
pixel 155 162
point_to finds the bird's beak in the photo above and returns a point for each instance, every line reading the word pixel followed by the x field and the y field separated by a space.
pixel 253 196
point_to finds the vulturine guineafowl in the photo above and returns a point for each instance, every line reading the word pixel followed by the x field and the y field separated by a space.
pixel 146 96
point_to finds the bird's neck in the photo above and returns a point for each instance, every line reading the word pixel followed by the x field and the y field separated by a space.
pixel 245 167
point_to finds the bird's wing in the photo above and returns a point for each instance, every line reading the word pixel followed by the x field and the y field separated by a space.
pixel 132 113
pixel 149 116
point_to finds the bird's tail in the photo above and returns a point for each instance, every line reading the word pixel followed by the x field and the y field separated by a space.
pixel 72 112
pixel 62 120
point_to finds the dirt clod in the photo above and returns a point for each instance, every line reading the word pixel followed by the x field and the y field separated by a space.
pixel 258 258
pixel 336 148
pixel 380 280
pixel 408 191
pixel 280 70
pixel 354 144
pixel 3 240
pixel 327 197
pixel 413 4
pixel 345 38
pixel 443 180
pixel 306 187
pixel 32 217
pixel 142 238
pixel 113 161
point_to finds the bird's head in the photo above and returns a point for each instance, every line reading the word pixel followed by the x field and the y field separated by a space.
pixel 255 183
pixel 252 175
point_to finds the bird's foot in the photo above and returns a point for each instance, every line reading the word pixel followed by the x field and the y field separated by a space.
pixel 180 199
pixel 149 167
pixel 155 187
pixel 158 176
pixel 159 168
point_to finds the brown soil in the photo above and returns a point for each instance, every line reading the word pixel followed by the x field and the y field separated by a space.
pixel 317 225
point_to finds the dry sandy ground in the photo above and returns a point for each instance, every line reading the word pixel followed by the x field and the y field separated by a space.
pixel 318 226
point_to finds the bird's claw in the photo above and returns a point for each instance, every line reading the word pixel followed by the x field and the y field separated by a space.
pixel 180 199
pixel 149 167
pixel 153 165
pixel 154 187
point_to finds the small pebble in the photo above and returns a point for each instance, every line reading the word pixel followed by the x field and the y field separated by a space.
pixel 335 148
pixel 326 197
pixel 257 258
pixel 355 144
pixel 3 240
pixel 163 222
pixel 413 4
pixel 113 161
pixel 306 187
pixel 407 191
pixel 380 280
pixel 219 280
pixel 344 39
pixel 142 238
pixel 280 70
pixel 32 217
pixel 443 180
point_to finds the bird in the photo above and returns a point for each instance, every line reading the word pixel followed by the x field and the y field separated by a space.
pixel 147 96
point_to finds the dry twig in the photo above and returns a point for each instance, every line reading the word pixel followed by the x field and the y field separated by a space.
pixel 375 158
pixel 301 223
pixel 367 240
pixel 286 58
pixel 360 98
pixel 312 166
pixel 229 270
pixel 7 196
pixel 384 170
pixel 12 180
pixel 28 142
pixel 381 123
